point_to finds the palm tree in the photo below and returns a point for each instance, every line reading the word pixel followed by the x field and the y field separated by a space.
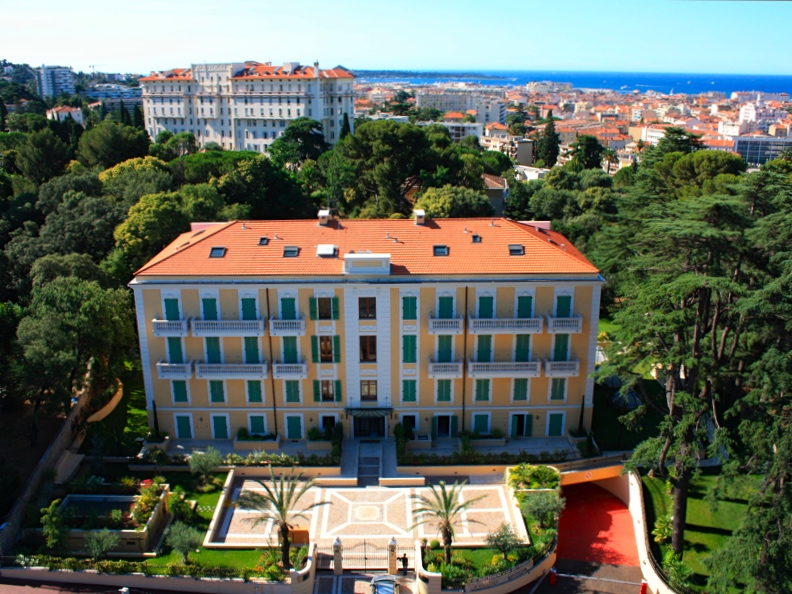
pixel 277 504
pixel 443 507
pixel 611 157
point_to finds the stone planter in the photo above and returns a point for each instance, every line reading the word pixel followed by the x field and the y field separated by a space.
pixel 421 442
pixel 320 445
pixel 257 444
pixel 158 445
pixel 487 442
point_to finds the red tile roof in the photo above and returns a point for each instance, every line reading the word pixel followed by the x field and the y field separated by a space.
pixel 410 247
pixel 256 71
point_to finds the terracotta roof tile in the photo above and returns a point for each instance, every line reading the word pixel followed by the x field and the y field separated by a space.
pixel 409 245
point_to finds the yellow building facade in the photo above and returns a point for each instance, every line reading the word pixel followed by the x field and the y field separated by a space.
pixel 279 327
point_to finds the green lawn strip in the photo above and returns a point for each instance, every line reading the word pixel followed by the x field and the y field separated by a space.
pixel 479 557
pixel 243 558
pixel 607 325
pixel 612 434
pixel 706 530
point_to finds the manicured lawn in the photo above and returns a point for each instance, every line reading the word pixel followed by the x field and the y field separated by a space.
pixel 612 434
pixel 239 559
pixel 607 325
pixel 479 557
pixel 706 530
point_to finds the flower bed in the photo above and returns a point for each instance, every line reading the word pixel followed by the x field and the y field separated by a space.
pixel 471 458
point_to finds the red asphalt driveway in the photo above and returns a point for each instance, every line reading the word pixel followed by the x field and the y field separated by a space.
pixel 596 527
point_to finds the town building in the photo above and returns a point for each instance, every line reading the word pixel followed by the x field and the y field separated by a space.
pixel 757 149
pixel 54 81
pixel 112 95
pixel 478 324
pixel 64 112
pixel 246 106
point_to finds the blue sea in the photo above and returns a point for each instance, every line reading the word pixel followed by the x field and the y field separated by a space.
pixel 625 82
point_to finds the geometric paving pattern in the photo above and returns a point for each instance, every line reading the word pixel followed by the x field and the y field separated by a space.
pixel 375 514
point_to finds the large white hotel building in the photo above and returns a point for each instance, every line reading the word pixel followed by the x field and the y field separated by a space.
pixel 246 106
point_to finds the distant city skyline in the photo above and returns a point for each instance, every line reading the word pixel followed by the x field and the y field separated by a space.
pixel 730 37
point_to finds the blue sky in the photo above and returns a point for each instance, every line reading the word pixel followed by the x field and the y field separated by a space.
pixel 619 35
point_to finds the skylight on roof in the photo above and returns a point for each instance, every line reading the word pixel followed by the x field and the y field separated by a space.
pixel 291 251
pixel 477 239
pixel 440 250
pixel 217 252
pixel 515 249
pixel 264 241
pixel 326 250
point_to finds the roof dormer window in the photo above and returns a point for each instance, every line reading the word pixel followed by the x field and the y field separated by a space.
pixel 440 250
pixel 291 251
pixel 264 241
pixel 515 249
pixel 217 252
pixel 477 239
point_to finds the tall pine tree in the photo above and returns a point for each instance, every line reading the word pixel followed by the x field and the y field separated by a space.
pixel 547 149
pixel 137 118
pixel 345 129
pixel 4 114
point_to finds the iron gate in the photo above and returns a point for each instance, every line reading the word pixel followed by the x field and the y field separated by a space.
pixel 324 558
pixel 365 555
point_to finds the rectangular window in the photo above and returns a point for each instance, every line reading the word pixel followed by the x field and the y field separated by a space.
pixel 213 350
pixel 368 349
pixel 409 308
pixel 409 348
pixel 444 349
pixel 209 306
pixel 179 389
pixel 254 392
pixel 368 390
pixel 561 349
pixel 252 350
pixel 524 306
pixel 292 390
pixel 520 390
pixel 445 307
pixel 367 308
pixel 409 390
pixel 523 348
pixel 326 349
pixel 216 392
pixel 482 390
pixel 324 308
pixel 248 308
pixel 258 425
pixel 444 390
pixel 484 351
pixel 175 354
pixel 481 424
pixel 288 308
pixel 558 388
pixel 290 349
pixel 486 307
pixel 327 392
pixel 563 306
pixel 172 310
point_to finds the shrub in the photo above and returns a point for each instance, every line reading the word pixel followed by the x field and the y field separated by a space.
pixel 203 463
pixel 663 528
pixel 496 434
pixel 243 433
pixel 453 576
pixel 677 571
pixel 543 506
pixel 100 542
pixel 503 539
pixel 52 526
pixel 527 476
pixel 434 544
pixel 315 434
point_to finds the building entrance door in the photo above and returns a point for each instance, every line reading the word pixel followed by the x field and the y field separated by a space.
pixel 369 427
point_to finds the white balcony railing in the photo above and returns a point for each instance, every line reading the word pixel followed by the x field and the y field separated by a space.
pixel 449 370
pixel 174 370
pixel 228 327
pixel 573 325
pixel 289 370
pixel 509 369
pixel 170 327
pixel 445 325
pixel 280 327
pixel 504 325
pixel 219 371
pixel 562 368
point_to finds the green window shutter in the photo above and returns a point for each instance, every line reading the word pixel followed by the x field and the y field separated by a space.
pixel 220 426
pixel 484 352
pixel 317 391
pixel 335 308
pixel 481 424
pixel 409 348
pixel 486 307
pixel 257 424
pixel 561 350
pixel 521 389
pixel 444 390
pixel 175 354
pixel 172 310
pixel 248 308
pixel 434 427
pixel 524 306
pixel 523 349
pixel 183 430
pixel 288 308
pixel 252 350
pixel 454 425
pixel 528 425
pixel 293 428
pixel 409 308
pixel 336 349
pixel 179 391
pixel 557 389
pixel 314 349
pixel 216 392
pixel 254 392
pixel 338 391
pixel 564 306
pixel 556 424
pixel 209 309
pixel 290 349
pixel 513 431
pixel 446 307
pixel 444 349
pixel 482 390
pixel 313 308
pixel 292 391
pixel 408 390
pixel 213 349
